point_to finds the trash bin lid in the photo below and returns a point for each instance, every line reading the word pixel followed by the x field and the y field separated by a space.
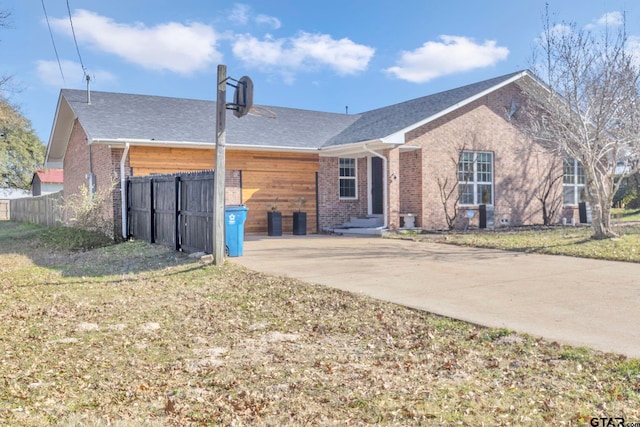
pixel 236 208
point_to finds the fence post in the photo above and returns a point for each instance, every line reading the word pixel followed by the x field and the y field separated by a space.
pixel 152 214
pixel 127 200
pixel 177 213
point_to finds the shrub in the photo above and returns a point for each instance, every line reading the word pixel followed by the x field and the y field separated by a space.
pixel 74 239
pixel 627 194
pixel 86 211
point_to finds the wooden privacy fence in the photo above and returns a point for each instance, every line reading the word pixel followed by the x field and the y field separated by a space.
pixel 4 210
pixel 42 210
pixel 174 210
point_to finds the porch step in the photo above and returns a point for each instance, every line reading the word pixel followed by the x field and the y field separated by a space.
pixel 359 231
pixel 364 222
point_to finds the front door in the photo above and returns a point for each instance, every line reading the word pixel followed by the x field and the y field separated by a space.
pixel 377 184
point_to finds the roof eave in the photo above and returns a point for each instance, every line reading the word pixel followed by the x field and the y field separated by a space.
pixel 60 134
pixel 356 149
pixel 278 148
pixel 120 142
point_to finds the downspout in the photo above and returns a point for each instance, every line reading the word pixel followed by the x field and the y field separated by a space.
pixel 123 192
pixel 92 178
pixel 385 197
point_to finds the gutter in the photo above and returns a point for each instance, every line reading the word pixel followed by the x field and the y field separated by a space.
pixel 202 145
pixel 123 192
pixel 385 188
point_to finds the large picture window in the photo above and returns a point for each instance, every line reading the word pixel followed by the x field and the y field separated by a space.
pixel 475 178
pixel 573 182
pixel 348 178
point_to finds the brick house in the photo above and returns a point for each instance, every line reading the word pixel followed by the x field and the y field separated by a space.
pixel 410 153
pixel 386 165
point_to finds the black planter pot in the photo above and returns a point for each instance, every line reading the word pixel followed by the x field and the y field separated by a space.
pixel 299 223
pixel 274 223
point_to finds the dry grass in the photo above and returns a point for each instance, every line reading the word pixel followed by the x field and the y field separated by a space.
pixel 569 241
pixel 136 334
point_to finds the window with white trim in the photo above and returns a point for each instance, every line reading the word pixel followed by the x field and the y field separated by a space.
pixel 475 178
pixel 573 182
pixel 348 178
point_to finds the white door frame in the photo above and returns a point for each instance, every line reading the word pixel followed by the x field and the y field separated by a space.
pixel 385 185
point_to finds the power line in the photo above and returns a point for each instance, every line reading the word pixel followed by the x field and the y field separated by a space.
pixel 75 40
pixel 54 43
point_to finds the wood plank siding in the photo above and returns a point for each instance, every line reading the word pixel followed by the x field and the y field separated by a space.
pixel 264 176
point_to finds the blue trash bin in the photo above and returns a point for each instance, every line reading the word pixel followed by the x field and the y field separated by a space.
pixel 235 216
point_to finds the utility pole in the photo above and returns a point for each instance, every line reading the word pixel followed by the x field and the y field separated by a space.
pixel 219 174
pixel 242 104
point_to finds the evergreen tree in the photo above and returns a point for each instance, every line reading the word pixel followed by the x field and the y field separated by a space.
pixel 21 151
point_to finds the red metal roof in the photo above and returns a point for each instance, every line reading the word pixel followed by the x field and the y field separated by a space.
pixel 51 176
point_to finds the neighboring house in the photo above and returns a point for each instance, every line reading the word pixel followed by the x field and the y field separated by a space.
pixel 47 181
pixel 382 164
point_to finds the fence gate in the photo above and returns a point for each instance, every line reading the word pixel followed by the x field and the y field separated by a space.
pixel 196 213
pixel 4 210
pixel 165 193
pixel 174 210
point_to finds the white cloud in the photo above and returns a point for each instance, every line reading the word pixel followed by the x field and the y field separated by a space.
pixel 49 74
pixel 556 32
pixel 303 52
pixel 343 55
pixel 451 55
pixel 172 46
pixel 633 47
pixel 241 14
pixel 609 19
pixel 560 30
pixel 612 19
pixel 271 21
pixel 260 53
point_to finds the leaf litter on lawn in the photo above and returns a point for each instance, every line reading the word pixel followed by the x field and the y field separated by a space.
pixel 173 341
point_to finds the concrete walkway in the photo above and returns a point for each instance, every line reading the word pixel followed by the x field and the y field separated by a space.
pixel 569 300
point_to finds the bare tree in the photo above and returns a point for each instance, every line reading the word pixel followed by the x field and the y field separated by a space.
pixel 448 186
pixel 4 23
pixel 589 109
pixel 549 191
pixel 4 18
pixel 451 180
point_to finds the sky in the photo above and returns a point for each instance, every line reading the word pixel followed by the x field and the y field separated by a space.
pixel 318 55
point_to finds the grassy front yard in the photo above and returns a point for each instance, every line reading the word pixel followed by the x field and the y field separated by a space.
pixel 135 334
pixel 570 241
pixel 626 215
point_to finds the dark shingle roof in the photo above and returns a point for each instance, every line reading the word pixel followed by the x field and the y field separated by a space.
pixel 144 117
pixel 382 122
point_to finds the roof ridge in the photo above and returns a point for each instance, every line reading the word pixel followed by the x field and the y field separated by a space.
pixel 382 122
pixel 141 95
pixel 459 88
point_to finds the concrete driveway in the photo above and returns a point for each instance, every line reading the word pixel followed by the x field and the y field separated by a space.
pixel 570 300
